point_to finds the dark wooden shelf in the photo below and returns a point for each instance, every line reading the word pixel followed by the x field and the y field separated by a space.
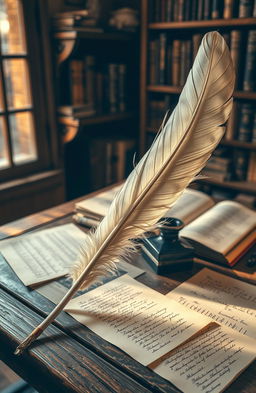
pixel 197 24
pixel 242 186
pixel 83 33
pixel 245 95
pixel 72 124
pixel 239 144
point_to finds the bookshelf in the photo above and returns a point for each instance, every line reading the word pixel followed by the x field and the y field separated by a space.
pixel 97 85
pixel 159 90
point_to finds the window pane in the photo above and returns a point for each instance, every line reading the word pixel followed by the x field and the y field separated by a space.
pixel 17 83
pixel 4 157
pixel 11 27
pixel 23 137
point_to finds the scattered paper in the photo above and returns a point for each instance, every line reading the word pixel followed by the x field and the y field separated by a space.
pixel 43 255
pixel 227 301
pixel 142 322
pixel 48 254
pixel 209 363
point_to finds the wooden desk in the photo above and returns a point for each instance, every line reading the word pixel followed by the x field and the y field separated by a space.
pixel 69 357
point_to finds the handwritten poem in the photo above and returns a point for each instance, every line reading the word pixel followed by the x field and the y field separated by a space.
pixel 208 363
pixel 227 301
pixel 137 319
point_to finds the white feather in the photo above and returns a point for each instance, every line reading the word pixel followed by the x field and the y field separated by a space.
pixel 177 155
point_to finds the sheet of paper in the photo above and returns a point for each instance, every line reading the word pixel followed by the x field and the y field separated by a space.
pixel 142 322
pixel 55 291
pixel 43 255
pixel 228 301
pixel 209 363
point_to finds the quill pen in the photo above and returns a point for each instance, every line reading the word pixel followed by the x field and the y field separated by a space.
pixel 177 155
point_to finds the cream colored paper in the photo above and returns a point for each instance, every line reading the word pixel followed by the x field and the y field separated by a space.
pixel 142 322
pixel 221 227
pixel 209 363
pixel 43 255
pixel 190 205
pixel 227 301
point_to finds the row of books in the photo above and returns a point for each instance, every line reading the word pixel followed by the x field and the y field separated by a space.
pixel 237 165
pixel 102 87
pixel 111 160
pixel 241 126
pixel 181 10
pixel 170 60
pixel 226 164
pixel 242 123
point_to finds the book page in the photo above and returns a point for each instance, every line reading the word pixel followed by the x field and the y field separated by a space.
pixel 209 363
pixel 99 204
pixel 43 255
pixel 190 205
pixel 222 226
pixel 227 301
pixel 142 322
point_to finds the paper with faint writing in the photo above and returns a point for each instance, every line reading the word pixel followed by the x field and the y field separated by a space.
pixel 43 255
pixel 210 362
pixel 142 322
pixel 227 301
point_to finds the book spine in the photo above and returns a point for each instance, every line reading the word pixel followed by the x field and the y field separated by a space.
pixel 194 10
pixel 122 96
pixel 181 9
pixel 176 56
pixel 249 74
pixel 241 165
pixel 215 9
pixel 76 82
pixel 89 78
pixel 235 50
pixel 232 123
pixel 245 8
pixel 200 8
pixel 246 123
pixel 254 129
pixel 169 11
pixel 152 62
pixel 113 87
pixel 228 9
pixel 251 173
pixel 207 9
pixel 162 58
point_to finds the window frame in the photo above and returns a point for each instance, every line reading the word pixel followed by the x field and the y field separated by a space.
pixel 39 60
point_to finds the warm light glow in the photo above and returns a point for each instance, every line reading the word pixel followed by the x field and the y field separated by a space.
pixel 4 24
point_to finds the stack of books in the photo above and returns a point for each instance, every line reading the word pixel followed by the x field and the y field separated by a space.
pixel 77 18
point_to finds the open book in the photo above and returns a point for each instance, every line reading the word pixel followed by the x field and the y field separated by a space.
pixel 223 233
pixel 220 232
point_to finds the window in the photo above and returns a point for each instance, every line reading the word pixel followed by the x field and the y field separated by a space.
pixel 24 145
pixel 31 176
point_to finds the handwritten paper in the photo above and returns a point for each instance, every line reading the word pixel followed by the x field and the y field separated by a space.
pixel 210 362
pixel 43 255
pixel 227 301
pixel 137 319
